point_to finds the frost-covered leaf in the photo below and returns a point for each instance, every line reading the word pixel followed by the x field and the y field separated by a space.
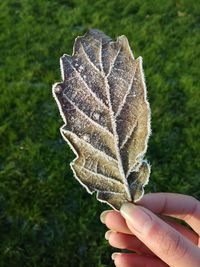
pixel 103 103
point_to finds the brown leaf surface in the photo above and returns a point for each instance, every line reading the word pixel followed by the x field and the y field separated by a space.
pixel 103 103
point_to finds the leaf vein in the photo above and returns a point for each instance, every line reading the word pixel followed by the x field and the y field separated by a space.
pixel 124 101
pixel 88 88
pixel 85 115
pixel 113 63
pixel 89 60
pixel 109 179
pixel 90 145
pixel 100 55
pixel 128 136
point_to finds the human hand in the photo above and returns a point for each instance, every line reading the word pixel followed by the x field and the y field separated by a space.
pixel 157 241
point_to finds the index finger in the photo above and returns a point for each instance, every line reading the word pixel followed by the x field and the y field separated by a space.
pixel 183 207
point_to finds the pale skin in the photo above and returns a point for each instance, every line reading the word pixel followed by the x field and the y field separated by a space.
pixel 153 239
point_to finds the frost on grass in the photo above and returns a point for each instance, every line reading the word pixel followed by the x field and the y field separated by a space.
pixel 102 100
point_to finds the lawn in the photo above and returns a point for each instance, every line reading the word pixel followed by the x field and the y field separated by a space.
pixel 46 218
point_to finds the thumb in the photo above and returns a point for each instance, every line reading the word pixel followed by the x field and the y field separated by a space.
pixel 168 244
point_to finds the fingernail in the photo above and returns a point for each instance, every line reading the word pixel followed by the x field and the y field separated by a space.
pixel 136 216
pixel 107 234
pixel 115 255
pixel 103 216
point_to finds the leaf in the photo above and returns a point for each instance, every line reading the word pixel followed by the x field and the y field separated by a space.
pixel 103 103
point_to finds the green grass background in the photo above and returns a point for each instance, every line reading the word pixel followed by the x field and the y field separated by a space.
pixel 46 217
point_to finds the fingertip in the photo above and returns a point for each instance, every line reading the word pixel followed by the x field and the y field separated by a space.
pixel 127 211
pixel 103 216
pixel 115 256
pixel 126 208
pixel 137 217
pixel 107 234
pixel 133 259
pixel 114 221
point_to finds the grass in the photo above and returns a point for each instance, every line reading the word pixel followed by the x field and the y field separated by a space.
pixel 46 217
